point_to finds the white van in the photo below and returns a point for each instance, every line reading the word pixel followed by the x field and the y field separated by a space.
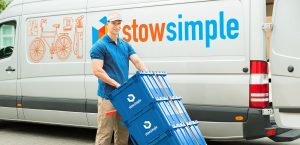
pixel 213 51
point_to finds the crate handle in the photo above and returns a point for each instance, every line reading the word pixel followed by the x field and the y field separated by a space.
pixel 167 99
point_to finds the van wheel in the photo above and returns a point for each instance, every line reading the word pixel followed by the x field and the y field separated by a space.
pixel 37 50
pixel 63 47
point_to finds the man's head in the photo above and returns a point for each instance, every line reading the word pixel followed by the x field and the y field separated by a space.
pixel 114 23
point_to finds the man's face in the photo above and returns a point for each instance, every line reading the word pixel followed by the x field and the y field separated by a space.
pixel 114 27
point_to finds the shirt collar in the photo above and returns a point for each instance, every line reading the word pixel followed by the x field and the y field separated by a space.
pixel 108 39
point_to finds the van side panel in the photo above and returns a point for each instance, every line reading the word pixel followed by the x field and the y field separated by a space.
pixel 204 46
pixel 52 6
pixel 52 63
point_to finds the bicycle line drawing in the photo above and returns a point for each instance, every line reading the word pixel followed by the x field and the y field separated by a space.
pixel 60 43
pixel 78 37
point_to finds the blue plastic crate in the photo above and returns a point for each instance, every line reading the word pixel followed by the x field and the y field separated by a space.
pixel 144 103
pixel 139 91
pixel 155 119
pixel 178 134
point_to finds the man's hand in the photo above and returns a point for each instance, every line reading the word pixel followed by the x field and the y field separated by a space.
pixel 117 85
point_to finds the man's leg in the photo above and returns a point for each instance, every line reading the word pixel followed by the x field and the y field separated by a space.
pixel 105 123
pixel 121 133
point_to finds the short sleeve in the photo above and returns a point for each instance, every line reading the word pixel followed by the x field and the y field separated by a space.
pixel 97 51
pixel 130 50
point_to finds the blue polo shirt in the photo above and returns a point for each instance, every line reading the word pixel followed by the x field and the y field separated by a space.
pixel 116 61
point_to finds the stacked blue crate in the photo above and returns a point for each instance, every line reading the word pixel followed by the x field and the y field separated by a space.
pixel 149 114
pixel 180 134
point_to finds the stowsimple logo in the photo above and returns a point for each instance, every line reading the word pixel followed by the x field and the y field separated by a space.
pixel 131 99
pixel 221 27
pixel 147 125
pixel 100 30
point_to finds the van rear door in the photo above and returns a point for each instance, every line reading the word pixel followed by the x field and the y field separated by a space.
pixel 285 63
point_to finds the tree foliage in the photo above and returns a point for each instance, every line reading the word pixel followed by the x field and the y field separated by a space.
pixel 3 5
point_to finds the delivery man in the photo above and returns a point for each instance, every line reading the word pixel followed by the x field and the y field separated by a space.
pixel 110 63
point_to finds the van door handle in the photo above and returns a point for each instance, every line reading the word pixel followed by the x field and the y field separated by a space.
pixel 290 68
pixel 10 69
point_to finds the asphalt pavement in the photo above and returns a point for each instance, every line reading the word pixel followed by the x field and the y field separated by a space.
pixel 20 133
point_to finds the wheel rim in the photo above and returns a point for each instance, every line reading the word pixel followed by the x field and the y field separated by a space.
pixel 37 51
pixel 63 47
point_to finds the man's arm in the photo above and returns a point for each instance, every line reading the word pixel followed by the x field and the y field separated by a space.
pixel 138 63
pixel 99 72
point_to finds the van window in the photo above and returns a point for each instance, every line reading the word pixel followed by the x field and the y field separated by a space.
pixel 7 39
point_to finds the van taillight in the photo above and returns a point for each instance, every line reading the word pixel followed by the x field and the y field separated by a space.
pixel 259 85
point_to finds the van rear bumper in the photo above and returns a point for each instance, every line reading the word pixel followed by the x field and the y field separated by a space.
pixel 254 125
pixel 257 124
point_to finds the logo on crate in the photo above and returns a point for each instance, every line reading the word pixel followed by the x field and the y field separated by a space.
pixel 131 99
pixel 147 125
